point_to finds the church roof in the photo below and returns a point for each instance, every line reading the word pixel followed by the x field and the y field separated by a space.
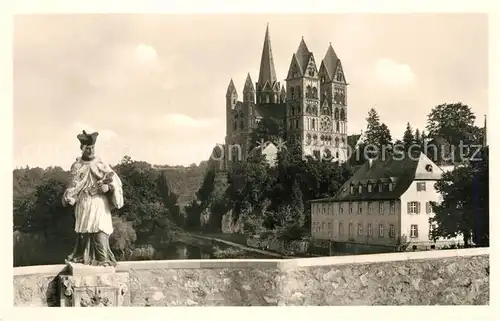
pixel 248 84
pixel 303 55
pixel 330 61
pixel 230 88
pixel 267 71
pixel 272 110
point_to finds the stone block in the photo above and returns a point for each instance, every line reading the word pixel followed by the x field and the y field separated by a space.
pixel 88 286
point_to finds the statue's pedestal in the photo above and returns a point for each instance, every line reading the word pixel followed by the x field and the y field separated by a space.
pixel 93 286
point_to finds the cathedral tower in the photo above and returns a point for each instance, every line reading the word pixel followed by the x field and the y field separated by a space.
pixel 303 103
pixel 267 87
pixel 334 96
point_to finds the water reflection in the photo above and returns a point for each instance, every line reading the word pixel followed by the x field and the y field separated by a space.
pixel 182 251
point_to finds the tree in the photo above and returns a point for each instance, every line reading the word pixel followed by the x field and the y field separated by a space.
pixel 385 138
pixel 377 135
pixel 267 130
pixel 464 209
pixel 453 122
pixel 372 128
pixel 418 137
pixel 408 138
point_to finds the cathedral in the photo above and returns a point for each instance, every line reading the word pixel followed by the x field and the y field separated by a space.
pixel 311 105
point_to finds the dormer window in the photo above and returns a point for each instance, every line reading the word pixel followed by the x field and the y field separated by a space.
pixel 360 189
pixel 352 189
pixel 380 187
pixel 369 188
pixel 391 186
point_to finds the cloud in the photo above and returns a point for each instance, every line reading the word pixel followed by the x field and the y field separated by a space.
pixel 145 53
pixel 392 73
pixel 104 134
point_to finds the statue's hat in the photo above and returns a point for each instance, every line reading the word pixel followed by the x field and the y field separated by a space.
pixel 87 139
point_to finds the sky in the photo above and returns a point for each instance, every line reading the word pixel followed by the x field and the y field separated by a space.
pixel 154 86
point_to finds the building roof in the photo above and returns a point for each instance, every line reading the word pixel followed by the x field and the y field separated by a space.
pixel 267 72
pixel 272 110
pixel 330 61
pixel 395 169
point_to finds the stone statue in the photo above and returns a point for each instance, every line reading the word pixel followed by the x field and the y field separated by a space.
pixel 94 190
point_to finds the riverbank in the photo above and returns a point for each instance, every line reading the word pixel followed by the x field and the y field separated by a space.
pixel 238 245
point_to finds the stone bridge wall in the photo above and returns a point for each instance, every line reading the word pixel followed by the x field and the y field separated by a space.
pixel 418 278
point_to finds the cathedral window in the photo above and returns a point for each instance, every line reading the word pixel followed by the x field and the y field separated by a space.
pixel 297 123
pixel 313 125
pixel 315 93
pixel 342 115
pixel 299 92
pixel 337 154
pixel 292 93
pixel 336 114
pixel 337 126
pixel 336 141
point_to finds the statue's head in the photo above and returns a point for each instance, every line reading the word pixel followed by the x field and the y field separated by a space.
pixel 87 143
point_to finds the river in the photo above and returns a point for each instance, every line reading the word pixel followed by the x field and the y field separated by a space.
pixel 183 251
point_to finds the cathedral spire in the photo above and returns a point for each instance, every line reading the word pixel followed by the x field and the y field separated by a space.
pixel 267 71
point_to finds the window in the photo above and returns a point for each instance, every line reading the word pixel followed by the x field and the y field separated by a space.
pixel 428 207
pixel 413 207
pixel 369 230
pixel 323 226
pixel 296 123
pixel 313 124
pixel 360 189
pixel 381 208
pixel 381 230
pixel 392 231
pixel 392 207
pixel 350 229
pixel 324 209
pixel 391 187
pixel 370 208
pixel 341 209
pixel 360 208
pixel 352 189
pixel 329 226
pixel 360 229
pixel 350 208
pixel 414 231
pixel 341 228
pixel 369 188
pixel 420 186
pixel 380 188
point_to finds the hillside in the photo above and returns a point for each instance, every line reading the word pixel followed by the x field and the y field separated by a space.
pixel 182 180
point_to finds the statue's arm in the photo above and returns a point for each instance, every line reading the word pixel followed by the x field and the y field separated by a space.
pixel 114 184
pixel 69 196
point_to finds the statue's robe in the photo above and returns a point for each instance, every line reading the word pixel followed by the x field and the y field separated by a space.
pixel 93 222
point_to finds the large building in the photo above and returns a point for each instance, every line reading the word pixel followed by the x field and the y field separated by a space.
pixel 312 104
pixel 386 202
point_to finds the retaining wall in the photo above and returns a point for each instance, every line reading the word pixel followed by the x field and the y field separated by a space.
pixel 416 278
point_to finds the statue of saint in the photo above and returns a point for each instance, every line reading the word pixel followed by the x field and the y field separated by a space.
pixel 94 190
